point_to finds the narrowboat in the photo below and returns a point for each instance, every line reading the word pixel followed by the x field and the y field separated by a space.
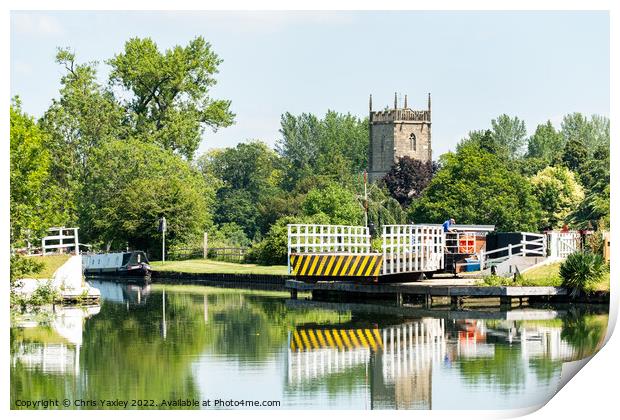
pixel 132 264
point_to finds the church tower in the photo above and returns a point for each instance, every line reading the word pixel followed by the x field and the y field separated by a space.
pixel 395 133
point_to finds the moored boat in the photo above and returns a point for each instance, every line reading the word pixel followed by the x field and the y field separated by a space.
pixel 120 264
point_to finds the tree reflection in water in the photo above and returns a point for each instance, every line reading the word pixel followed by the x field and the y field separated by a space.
pixel 147 344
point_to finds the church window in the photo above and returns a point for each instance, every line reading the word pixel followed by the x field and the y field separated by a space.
pixel 412 142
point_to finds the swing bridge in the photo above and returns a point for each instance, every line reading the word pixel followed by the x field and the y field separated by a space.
pixel 317 252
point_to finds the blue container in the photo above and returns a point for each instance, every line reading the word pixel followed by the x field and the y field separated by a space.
pixel 472 264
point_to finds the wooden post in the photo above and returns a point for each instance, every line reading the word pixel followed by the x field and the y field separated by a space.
pixel 77 244
pixel 205 245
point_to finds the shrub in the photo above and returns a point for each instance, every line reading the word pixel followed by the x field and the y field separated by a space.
pixel 45 293
pixel 581 271
pixel 22 267
pixel 273 248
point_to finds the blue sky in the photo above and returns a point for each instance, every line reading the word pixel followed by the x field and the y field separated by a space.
pixel 477 65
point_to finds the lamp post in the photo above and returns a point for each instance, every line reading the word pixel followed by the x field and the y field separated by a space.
pixel 162 229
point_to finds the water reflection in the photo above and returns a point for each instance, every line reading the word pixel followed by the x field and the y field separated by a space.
pixel 157 342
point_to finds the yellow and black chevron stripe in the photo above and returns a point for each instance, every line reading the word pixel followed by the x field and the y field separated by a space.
pixel 312 339
pixel 336 265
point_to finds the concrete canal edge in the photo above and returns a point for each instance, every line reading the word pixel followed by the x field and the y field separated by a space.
pixel 455 296
pixel 67 280
pixel 260 281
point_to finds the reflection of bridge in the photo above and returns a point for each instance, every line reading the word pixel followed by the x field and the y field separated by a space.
pixel 400 358
pixel 399 365
pixel 60 352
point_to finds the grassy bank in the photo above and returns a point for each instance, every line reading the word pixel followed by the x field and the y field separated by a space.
pixel 217 267
pixel 51 264
pixel 546 275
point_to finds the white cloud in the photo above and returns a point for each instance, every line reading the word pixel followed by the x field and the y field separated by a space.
pixel 35 23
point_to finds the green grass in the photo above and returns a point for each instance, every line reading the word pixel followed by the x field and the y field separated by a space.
pixel 217 267
pixel 52 263
pixel 545 275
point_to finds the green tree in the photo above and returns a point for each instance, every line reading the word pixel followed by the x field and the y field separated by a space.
pixel 131 185
pixel 335 147
pixel 595 177
pixel 383 209
pixel 545 143
pixel 474 186
pixel 592 133
pixel 509 134
pixel 575 154
pixel 339 204
pixel 85 116
pixel 37 202
pixel 167 93
pixel 558 193
pixel 247 177
pixel 273 249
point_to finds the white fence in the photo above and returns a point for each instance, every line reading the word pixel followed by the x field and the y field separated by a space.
pixel 339 239
pixel 532 244
pixel 59 238
pixel 412 248
pixel 562 244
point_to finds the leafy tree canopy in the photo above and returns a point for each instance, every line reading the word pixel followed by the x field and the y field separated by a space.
pixel 475 186
pixel 558 193
pixel 167 93
pixel 335 146
pixel 339 204
pixel 132 185
pixel 546 143
pixel 37 203
pixel 408 178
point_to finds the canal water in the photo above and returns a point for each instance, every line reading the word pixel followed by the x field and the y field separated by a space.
pixel 149 344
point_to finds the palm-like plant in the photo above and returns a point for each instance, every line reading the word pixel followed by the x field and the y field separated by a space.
pixel 581 271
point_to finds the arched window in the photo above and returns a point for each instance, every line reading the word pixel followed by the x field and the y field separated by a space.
pixel 412 142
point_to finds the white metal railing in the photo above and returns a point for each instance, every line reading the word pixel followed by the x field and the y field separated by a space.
pixel 58 235
pixel 310 239
pixel 531 243
pixel 412 248
pixel 562 244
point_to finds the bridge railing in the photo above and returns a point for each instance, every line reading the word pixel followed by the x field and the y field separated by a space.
pixel 531 244
pixel 308 238
pixel 412 248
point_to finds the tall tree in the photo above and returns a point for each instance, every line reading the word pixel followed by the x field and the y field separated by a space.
pixel 408 178
pixel 132 185
pixel 247 176
pixel 84 117
pixel 575 154
pixel 558 193
pixel 37 202
pixel 335 147
pixel 510 134
pixel 545 143
pixel 475 186
pixel 592 133
pixel 168 92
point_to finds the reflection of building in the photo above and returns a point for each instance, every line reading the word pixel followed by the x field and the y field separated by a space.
pixel 399 359
pixel 394 365
pixel 55 349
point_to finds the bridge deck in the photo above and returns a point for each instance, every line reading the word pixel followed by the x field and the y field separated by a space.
pixel 429 288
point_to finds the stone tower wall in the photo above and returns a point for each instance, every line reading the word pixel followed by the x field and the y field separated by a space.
pixel 391 138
